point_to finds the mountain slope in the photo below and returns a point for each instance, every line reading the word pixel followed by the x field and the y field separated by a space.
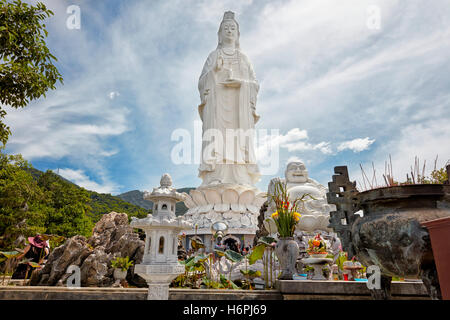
pixel 102 203
pixel 136 197
pixel 131 202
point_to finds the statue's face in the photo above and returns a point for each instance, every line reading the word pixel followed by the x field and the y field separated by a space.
pixel 296 172
pixel 229 30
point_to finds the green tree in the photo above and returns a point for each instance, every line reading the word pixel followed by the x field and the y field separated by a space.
pixel 20 198
pixel 68 206
pixel 439 175
pixel 105 203
pixel 33 202
pixel 26 64
pixel 45 205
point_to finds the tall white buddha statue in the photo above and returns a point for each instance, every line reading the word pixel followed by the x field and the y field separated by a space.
pixel 228 91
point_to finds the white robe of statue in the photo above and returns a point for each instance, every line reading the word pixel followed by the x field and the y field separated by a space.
pixel 228 91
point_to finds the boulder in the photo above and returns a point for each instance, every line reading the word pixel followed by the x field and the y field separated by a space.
pixel 95 269
pixel 72 252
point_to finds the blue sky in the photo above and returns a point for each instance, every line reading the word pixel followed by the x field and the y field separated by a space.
pixel 339 92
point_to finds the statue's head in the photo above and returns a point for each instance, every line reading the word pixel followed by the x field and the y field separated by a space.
pixel 296 172
pixel 228 30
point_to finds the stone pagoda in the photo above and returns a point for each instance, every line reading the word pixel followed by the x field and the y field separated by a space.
pixel 160 262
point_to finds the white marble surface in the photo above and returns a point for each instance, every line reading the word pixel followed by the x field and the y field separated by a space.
pixel 237 206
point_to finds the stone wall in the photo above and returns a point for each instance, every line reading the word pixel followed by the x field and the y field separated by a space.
pixel 346 290
pixel 287 290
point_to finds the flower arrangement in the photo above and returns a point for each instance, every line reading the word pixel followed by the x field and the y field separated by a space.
pixel 317 246
pixel 286 216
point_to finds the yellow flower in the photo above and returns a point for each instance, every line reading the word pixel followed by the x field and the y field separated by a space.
pixel 297 216
pixel 275 214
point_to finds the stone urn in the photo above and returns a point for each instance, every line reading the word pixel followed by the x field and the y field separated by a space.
pixel 389 234
pixel 120 274
pixel 286 250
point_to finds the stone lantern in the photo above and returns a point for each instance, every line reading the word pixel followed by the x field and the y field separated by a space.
pixel 160 262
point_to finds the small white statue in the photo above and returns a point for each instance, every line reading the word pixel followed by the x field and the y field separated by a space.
pixel 314 209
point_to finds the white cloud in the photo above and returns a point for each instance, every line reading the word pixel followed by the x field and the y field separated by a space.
pixel 323 147
pixel 80 178
pixel 294 159
pixel 356 145
pixel 66 125
pixel 292 141
pixel 113 95
pixel 290 137
pixel 426 141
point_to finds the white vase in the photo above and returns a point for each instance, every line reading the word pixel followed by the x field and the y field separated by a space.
pixel 287 253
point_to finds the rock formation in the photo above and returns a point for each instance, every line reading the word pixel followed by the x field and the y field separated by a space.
pixel 112 237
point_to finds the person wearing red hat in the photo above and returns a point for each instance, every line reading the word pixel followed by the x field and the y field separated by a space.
pixel 37 251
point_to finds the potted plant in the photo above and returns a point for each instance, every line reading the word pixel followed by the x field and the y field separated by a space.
pixel 317 247
pixel 286 218
pixel 121 266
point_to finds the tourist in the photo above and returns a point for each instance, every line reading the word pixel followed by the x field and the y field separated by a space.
pixel 36 251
